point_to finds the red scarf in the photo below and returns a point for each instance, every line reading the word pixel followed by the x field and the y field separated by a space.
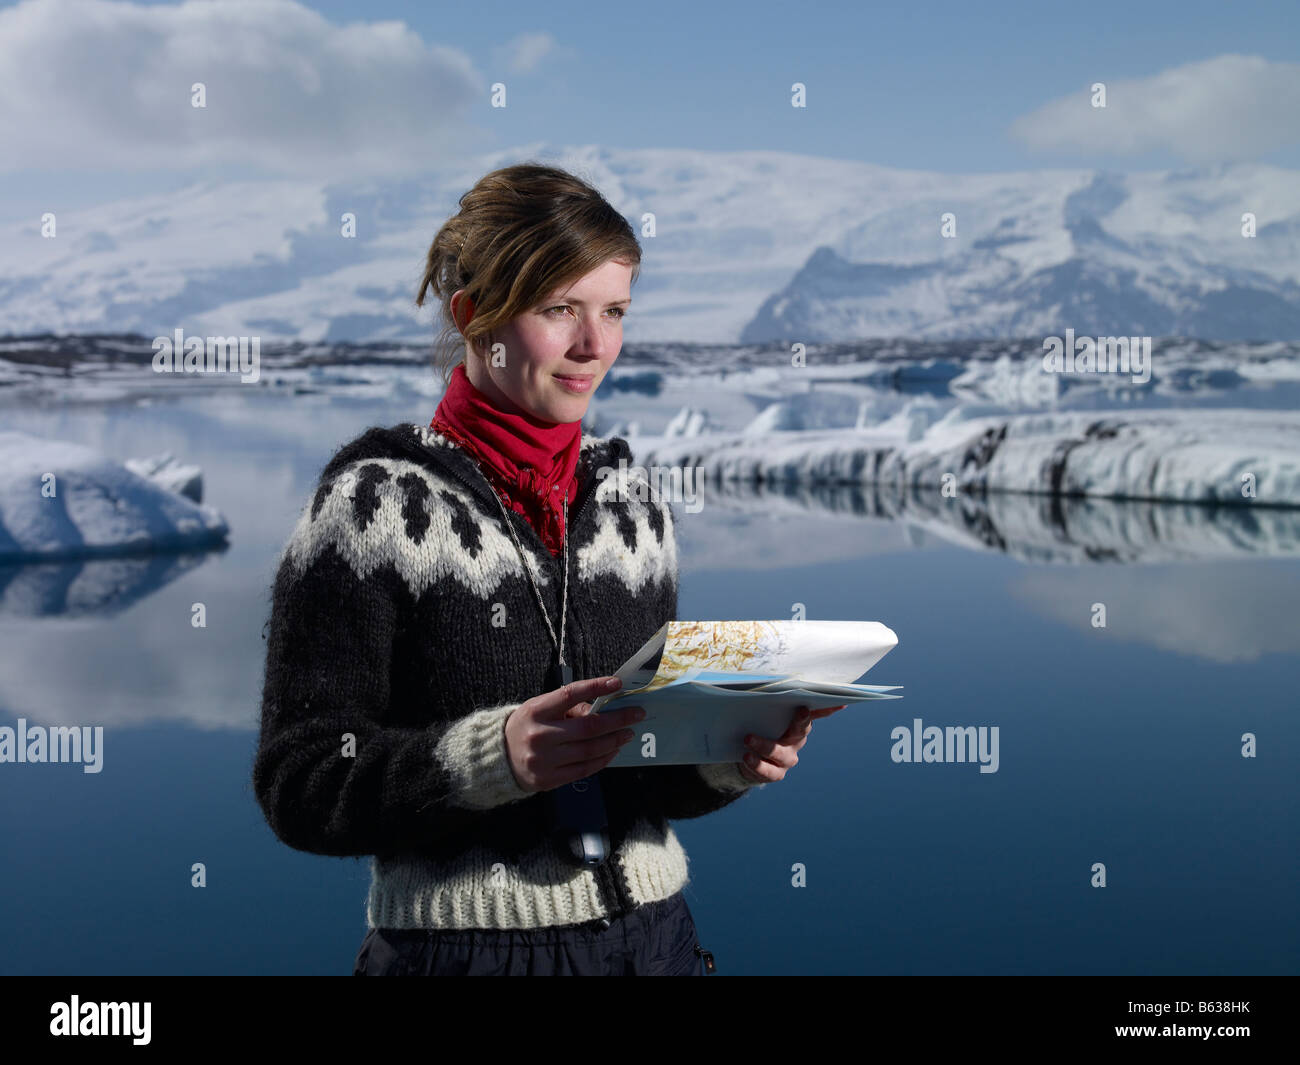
pixel 532 463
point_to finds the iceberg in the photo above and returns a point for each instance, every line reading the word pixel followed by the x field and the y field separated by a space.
pixel 170 474
pixel 1223 456
pixel 60 500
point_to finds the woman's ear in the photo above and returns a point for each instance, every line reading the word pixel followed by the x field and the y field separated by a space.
pixel 462 309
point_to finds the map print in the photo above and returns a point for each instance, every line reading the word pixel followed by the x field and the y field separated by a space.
pixel 693 647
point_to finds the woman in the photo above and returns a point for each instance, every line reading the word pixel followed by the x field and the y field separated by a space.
pixel 441 578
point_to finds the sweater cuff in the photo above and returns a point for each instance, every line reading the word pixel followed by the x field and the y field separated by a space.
pixel 726 776
pixel 472 752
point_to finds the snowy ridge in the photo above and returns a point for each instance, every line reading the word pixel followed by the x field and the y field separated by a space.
pixel 751 246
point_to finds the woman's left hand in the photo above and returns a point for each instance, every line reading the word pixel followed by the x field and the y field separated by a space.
pixel 770 760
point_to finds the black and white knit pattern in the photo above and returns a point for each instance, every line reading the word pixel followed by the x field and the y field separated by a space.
pixel 403 633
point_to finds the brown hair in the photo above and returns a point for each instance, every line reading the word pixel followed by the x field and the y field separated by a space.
pixel 521 233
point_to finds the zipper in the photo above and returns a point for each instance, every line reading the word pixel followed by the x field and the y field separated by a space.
pixel 479 488
pixel 611 881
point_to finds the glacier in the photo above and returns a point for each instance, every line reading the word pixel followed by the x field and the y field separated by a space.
pixel 1245 457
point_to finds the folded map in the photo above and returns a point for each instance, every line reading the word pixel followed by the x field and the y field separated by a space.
pixel 705 685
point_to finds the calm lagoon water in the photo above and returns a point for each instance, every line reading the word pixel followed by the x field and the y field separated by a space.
pixel 1119 745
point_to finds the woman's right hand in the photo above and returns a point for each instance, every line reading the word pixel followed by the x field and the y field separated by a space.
pixel 555 739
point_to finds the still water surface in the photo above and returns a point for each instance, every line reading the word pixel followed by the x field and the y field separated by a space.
pixel 1118 745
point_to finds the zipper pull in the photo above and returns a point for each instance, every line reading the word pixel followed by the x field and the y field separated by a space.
pixel 560 674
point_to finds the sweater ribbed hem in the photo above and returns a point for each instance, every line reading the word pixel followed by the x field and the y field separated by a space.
pixel 481 889
pixel 726 776
pixel 473 754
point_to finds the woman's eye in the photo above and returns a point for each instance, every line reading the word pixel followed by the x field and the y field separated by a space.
pixel 621 312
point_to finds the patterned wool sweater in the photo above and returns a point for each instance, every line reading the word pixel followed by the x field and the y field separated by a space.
pixel 402 634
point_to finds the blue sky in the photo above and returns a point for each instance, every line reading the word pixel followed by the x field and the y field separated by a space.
pixel 915 85
pixel 929 86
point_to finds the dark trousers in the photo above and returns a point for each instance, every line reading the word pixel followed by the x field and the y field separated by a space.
pixel 657 939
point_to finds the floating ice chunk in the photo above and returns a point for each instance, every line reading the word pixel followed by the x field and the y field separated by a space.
pixel 818 409
pixel 166 472
pixel 61 500
pixel 688 422
pixel 1245 457
pixel 1013 383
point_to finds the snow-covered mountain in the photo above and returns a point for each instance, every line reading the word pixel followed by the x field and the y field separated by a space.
pixel 1103 254
pixel 748 247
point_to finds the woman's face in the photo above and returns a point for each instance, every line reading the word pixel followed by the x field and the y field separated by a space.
pixel 576 334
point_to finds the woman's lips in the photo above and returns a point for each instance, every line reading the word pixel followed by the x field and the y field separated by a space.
pixel 577 383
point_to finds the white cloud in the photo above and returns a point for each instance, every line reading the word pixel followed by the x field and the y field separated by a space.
pixel 91 84
pixel 1231 107
pixel 522 53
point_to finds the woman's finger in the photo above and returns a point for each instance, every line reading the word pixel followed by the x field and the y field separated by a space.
pixel 827 711
pixel 797 743
pixel 555 705
pixel 592 749
pixel 799 727
pixel 764 770
pixel 779 754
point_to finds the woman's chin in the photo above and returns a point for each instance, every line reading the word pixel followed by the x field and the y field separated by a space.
pixel 567 407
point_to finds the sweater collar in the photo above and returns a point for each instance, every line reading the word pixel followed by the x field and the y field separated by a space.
pixel 528 455
pixel 419 443
pixel 423 443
